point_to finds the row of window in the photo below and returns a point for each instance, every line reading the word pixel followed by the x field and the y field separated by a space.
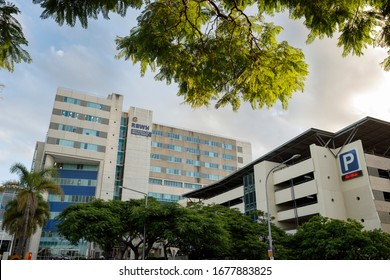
pixel 72 144
pixel 70 166
pixel 192 174
pixel 192 162
pixel 75 129
pixel 190 150
pixel 174 184
pixel 163 197
pixel 76 182
pixel 79 116
pixel 83 103
pixel 69 198
pixel 194 140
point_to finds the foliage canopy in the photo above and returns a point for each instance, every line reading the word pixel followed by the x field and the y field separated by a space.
pixel 225 52
pixel 11 37
pixel 324 238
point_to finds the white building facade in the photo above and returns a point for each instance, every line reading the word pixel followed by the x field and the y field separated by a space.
pixel 98 148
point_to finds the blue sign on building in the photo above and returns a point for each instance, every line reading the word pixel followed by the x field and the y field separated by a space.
pixel 349 162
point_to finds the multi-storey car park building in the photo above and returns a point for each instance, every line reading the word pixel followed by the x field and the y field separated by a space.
pixel 98 149
pixel 338 175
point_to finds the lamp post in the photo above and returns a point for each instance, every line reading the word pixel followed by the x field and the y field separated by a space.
pixel 146 206
pixel 270 249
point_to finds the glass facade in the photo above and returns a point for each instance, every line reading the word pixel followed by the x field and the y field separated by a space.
pixel 78 183
pixel 249 194
pixel 121 157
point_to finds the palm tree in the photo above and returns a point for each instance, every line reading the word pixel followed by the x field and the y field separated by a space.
pixel 13 220
pixel 29 189
pixel 11 37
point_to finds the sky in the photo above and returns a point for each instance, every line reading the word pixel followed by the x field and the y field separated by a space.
pixel 338 91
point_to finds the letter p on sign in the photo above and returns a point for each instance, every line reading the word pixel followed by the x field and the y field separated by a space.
pixel 349 162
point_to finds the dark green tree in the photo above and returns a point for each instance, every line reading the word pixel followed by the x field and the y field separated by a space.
pixel 118 224
pixel 230 235
pixel 324 238
pixel 12 38
pixel 201 234
pixel 94 221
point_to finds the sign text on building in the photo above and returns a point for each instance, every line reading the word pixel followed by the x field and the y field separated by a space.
pixel 140 129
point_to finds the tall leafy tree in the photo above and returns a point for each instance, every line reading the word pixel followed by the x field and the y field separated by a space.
pixel 118 224
pixel 201 234
pixel 324 238
pixel 14 218
pixel 218 51
pixel 12 38
pixel 29 188
pixel 222 52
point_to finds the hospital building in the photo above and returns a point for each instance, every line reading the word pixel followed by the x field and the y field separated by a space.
pixel 102 151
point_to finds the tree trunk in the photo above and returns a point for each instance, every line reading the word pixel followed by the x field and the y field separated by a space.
pixel 23 237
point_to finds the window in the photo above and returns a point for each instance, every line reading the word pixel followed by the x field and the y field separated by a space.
pixel 174 147
pixel 192 186
pixel 173 184
pixel 71 100
pixel 158 132
pixel 156 156
pixel 120 160
pixel 174 136
pixel 192 139
pixel 229 157
pixel 211 143
pixel 92 132
pixel 165 197
pixel 211 165
pixel 157 144
pixel 68 128
pixel 92 118
pixel 70 114
pixel 69 166
pixel 227 146
pixel 192 174
pixel 94 105
pixel 121 145
pixel 193 162
pixel 69 198
pixel 228 168
pixel 210 154
pixel 155 181
pixel 211 177
pixel 249 193
pixel 193 151
pixel 88 146
pixel 155 169
pixel 66 143
pixel 173 171
pixel 124 121
pixel 173 159
pixel 240 160
pixel 239 149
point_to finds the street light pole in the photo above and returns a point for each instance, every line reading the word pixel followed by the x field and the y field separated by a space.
pixel 270 249
pixel 146 206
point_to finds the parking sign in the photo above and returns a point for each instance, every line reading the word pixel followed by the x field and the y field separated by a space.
pixel 349 164
pixel 349 161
